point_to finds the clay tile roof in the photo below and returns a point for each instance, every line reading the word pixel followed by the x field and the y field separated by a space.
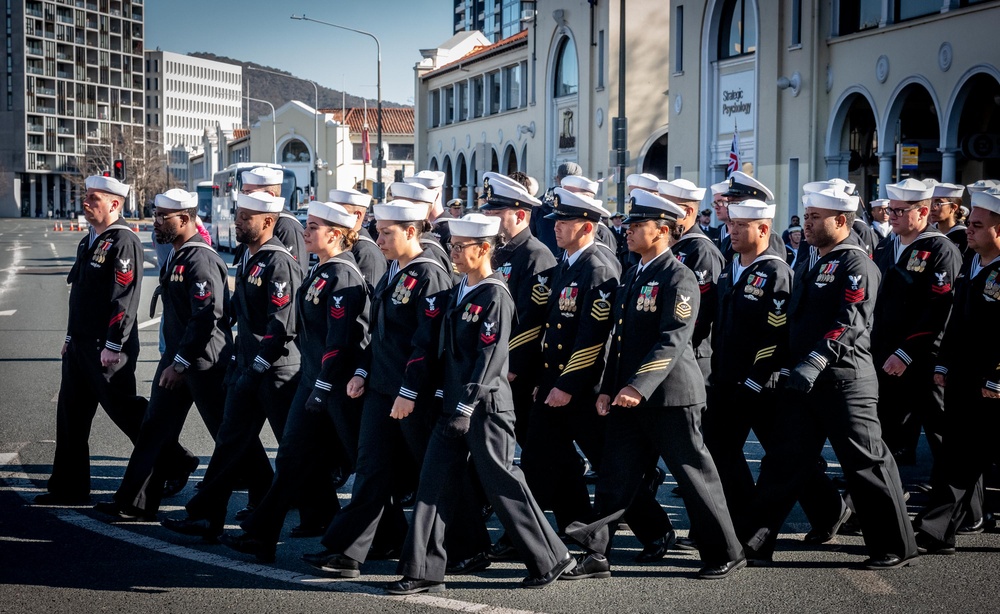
pixel 239 133
pixel 482 52
pixel 394 120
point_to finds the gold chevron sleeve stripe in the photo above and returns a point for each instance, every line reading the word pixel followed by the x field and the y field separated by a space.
pixel 765 353
pixel 656 365
pixel 586 355
pixel 528 335
pixel 774 320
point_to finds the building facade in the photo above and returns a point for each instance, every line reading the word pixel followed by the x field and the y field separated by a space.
pixel 496 19
pixel 868 90
pixel 184 97
pixel 73 74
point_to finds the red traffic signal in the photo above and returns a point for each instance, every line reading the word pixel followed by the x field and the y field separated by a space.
pixel 119 168
pixel 106 173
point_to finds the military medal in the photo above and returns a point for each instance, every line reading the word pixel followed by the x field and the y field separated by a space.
pixel 567 298
pixel 826 273
pixel 178 273
pixel 404 288
pixel 101 253
pixel 917 261
pixel 472 312
pixel 254 277
pixel 991 291
pixel 754 286
pixel 314 289
pixel 647 297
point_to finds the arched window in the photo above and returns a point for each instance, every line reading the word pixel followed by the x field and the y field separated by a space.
pixel 295 151
pixel 737 29
pixel 567 73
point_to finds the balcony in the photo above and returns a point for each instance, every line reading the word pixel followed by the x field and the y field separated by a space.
pixel 46 110
pixel 36 147
pixel 45 91
pixel 35 128
pixel 33 49
pixel 34 70
pixel 33 12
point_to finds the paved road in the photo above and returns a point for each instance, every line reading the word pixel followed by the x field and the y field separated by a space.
pixel 72 560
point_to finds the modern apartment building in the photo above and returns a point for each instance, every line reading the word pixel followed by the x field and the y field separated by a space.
pixel 72 73
pixel 497 19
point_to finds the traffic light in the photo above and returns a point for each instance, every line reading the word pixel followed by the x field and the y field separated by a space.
pixel 106 173
pixel 119 170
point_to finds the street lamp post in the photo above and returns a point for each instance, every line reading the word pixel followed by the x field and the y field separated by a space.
pixel 316 160
pixel 379 189
pixel 274 132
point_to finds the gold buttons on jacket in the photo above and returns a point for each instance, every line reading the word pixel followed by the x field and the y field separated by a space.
pixel 546 365
pixel 545 346
pixel 546 325
pixel 558 325
pixel 561 367
pixel 559 347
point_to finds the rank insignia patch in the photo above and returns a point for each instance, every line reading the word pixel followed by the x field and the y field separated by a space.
pixel 601 309
pixel 683 309
pixel 124 273
pixel 337 311
pixel 854 294
pixel 201 290
pixel 941 283
pixel 540 292
pixel 279 297
pixel 431 311
pixel 489 334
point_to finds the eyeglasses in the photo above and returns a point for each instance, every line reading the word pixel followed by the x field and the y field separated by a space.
pixel 899 211
pixel 458 247
pixel 162 217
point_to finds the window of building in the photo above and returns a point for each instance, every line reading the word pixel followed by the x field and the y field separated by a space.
pixel 478 97
pixel 494 91
pixel 449 105
pixel 858 15
pixel 295 151
pixel 435 108
pixel 400 151
pixel 372 151
pixel 678 40
pixel 737 29
pixel 911 9
pixel 463 101
pixel 600 60
pixel 567 74
pixel 796 23
pixel 514 86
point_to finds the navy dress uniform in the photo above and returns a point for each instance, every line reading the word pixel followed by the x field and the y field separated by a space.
pixel 952 193
pixel 743 187
pixel 366 252
pixel 577 325
pixel 416 192
pixel 478 422
pixel 523 262
pixel 914 302
pixel 971 365
pixel 263 376
pixel 603 238
pixel 696 251
pixel 833 392
pixel 651 351
pixel 103 304
pixel 405 318
pixel 332 310
pixel 199 344
pixel 287 229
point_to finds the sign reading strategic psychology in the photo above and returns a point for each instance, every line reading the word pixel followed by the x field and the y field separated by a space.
pixel 735 102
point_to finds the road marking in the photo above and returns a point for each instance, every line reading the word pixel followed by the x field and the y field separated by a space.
pixel 15 479
pixel 149 323
pixel 8 312
pixel 8 281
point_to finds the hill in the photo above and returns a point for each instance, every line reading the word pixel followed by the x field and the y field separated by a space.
pixel 278 90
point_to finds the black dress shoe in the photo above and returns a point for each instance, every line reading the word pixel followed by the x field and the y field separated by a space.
pixel 658 549
pixel 887 561
pixel 408 500
pixel 126 513
pixel 248 544
pixel 931 545
pixel 592 565
pixel 174 485
pixel 685 543
pixel 472 564
pixel 719 572
pixel 52 498
pixel 658 476
pixel 972 529
pixel 821 536
pixel 198 527
pixel 304 530
pixel 551 575
pixel 316 559
pixel 245 513
pixel 412 586
pixel 503 550
pixel 341 566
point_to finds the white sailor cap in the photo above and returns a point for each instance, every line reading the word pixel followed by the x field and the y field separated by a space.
pixel 414 192
pixel 263 175
pixel 742 185
pixel 474 226
pixel 792 229
pixel 333 213
pixel 429 179
pixel 833 199
pixel 878 203
pixel 846 186
pixel 752 209
pixel 176 199
pixel 930 182
pixel 350 197
pixel 261 202
pixel 949 191
pixel 720 188
pixel 533 186
pixel 909 190
pixel 107 184
pixel 856 200
pixel 643 181
pixel 400 211
pixel 502 192
pixel 982 185
pixel 652 206
pixel 579 182
pixel 681 189
pixel 574 205
pixel 817 186
pixel 987 199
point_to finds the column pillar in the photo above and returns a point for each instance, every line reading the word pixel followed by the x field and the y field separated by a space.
pixel 948 169
pixel 32 199
pixel 885 168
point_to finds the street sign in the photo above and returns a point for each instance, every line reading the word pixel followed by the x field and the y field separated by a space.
pixel 909 156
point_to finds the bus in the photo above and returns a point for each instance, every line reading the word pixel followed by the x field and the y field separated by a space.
pixel 226 184
pixel 204 192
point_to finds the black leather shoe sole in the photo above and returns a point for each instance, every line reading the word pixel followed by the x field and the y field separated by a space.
pixel 721 572
pixel 471 565
pixel 551 576
pixel 888 562
pixel 412 587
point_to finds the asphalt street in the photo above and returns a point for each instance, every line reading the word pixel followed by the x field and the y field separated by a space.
pixel 72 559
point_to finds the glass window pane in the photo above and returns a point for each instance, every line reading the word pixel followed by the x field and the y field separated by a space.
pixel 567 73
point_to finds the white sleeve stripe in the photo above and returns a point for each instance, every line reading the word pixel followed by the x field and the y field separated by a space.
pixel 180 360
pixel 68 338
pixel 407 394
pixel 752 385
pixel 322 385
pixel 819 359
pixel 260 361
pixel 361 373
pixel 439 394
pixel 904 356
pixel 464 409
pixel 994 386
pixel 940 369
pixel 114 347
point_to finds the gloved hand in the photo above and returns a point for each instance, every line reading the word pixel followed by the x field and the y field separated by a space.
pixel 803 377
pixel 457 426
pixel 317 401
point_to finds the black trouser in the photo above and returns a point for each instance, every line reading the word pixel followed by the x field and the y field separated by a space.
pixel 733 410
pixel 442 500
pixel 239 452
pixel 970 448
pixel 304 462
pixel 674 433
pixel 845 412
pixel 907 403
pixel 521 390
pixel 142 484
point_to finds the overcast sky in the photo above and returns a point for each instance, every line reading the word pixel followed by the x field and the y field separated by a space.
pixel 261 31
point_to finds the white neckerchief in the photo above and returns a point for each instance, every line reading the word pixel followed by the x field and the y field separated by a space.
pixel 978 265
pixel 571 260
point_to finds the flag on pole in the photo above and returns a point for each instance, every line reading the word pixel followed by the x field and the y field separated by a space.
pixel 366 154
pixel 734 154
